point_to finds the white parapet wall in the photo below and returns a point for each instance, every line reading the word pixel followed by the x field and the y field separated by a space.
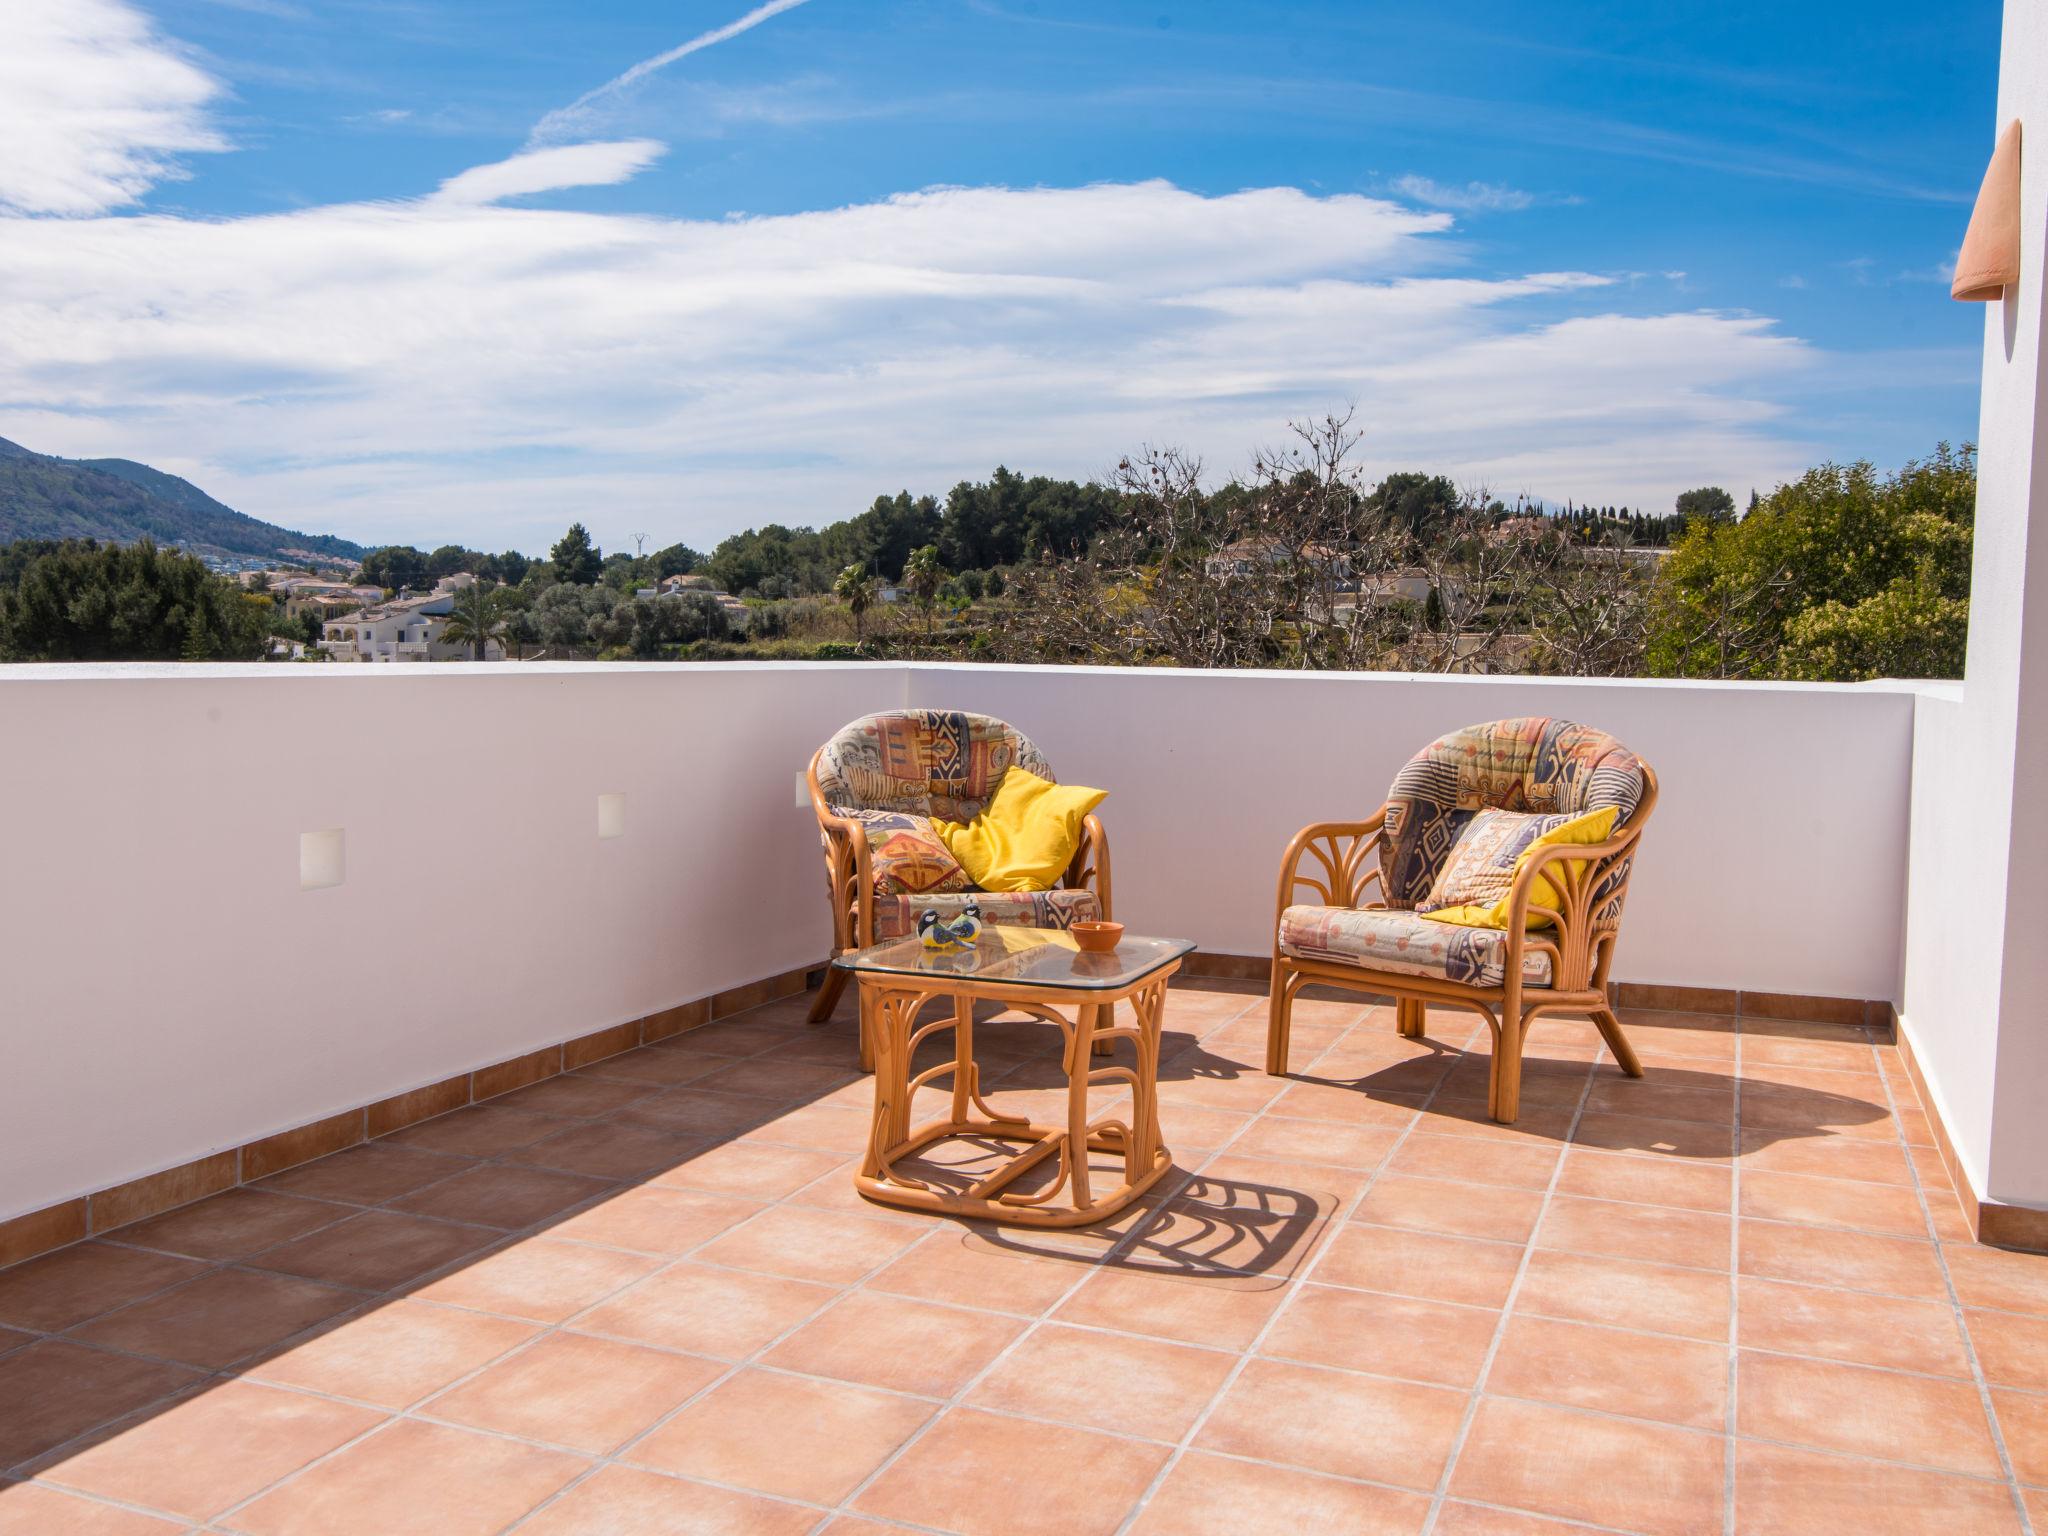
pixel 167 988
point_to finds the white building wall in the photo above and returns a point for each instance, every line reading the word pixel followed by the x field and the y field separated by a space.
pixel 1976 961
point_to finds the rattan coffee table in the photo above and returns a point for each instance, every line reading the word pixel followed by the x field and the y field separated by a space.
pixel 1027 970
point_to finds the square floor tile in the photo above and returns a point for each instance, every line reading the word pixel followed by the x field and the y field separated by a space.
pixel 1851 1326
pixel 2012 1349
pixel 1888 1208
pixel 213 1449
pixel 1428 1265
pixel 1217 1493
pixel 1221 1311
pixel 1656 1298
pixel 1861 1261
pixel 607 1149
pixel 1646 1180
pixel 755 1172
pixel 1337 1422
pixel 787 1435
pixel 394 1354
pixel 1513 1164
pixel 1113 1382
pixel 52 1293
pixel 945 1268
pixel 587 1394
pixel 539 1278
pixel 368 1174
pixel 484 1130
pixel 1654 1233
pixel 647 1219
pixel 219 1318
pixel 1650 1478
pixel 1454 1209
pixel 1803 1493
pixel 413 1479
pixel 1639 1375
pixel 33 1509
pixel 620 1501
pixel 892 1341
pixel 1025 1479
pixel 503 1195
pixel 1998 1277
pixel 234 1224
pixel 74 1389
pixel 378 1250
pixel 832 1246
pixel 1887 1414
pixel 1430 1341
pixel 718 1312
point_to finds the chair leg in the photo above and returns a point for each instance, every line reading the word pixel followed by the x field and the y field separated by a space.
pixel 1279 1011
pixel 1105 1018
pixel 828 994
pixel 1504 1093
pixel 1411 1017
pixel 1610 1031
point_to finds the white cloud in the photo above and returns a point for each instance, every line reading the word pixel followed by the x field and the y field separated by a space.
pixel 1472 197
pixel 439 369
pixel 95 106
pixel 549 170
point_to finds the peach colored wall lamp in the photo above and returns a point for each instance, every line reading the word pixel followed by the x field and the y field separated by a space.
pixel 1990 257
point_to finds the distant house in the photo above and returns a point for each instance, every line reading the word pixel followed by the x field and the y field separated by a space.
pixel 736 612
pixel 404 629
pixel 1252 557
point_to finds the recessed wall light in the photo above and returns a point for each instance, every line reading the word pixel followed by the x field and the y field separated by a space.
pixel 321 861
pixel 611 815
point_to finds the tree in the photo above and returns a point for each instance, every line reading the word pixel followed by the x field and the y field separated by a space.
pixel 395 566
pixel 1842 575
pixel 478 618
pixel 857 590
pixel 1709 502
pixel 576 560
pixel 79 600
pixel 676 560
pixel 923 575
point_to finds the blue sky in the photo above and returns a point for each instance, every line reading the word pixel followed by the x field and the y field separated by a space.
pixel 1597 250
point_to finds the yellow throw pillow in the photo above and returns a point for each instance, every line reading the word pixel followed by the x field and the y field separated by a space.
pixel 1593 827
pixel 1025 836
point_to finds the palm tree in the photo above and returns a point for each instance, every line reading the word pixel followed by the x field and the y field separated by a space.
pixel 923 574
pixel 478 617
pixel 855 589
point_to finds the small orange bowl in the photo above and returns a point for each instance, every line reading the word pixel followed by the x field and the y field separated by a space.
pixel 1095 937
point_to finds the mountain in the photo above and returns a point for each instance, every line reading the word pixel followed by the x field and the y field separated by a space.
pixel 120 501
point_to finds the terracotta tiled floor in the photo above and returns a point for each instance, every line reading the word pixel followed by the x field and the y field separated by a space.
pixel 644 1298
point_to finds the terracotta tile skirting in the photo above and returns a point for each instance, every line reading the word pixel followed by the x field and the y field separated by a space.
pixel 1991 1221
pixel 70 1221
pixel 1874 1016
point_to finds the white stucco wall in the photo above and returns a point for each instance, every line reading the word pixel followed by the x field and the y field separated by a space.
pixel 1776 860
pixel 1976 980
pixel 166 989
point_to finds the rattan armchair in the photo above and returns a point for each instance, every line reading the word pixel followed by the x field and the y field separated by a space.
pixel 874 788
pixel 1344 911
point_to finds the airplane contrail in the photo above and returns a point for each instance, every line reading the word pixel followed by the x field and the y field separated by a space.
pixel 562 120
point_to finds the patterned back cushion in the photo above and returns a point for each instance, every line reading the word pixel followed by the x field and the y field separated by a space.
pixel 907 856
pixel 1534 765
pixel 926 762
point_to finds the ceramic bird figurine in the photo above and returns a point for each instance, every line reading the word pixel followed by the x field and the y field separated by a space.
pixel 946 937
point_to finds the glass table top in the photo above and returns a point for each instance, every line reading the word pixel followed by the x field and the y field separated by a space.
pixel 1033 957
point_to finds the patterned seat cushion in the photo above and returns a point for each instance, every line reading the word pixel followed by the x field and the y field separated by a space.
pixel 1538 765
pixel 896 916
pixel 1378 939
pixel 925 762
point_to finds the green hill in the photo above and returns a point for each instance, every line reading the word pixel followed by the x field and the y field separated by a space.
pixel 120 501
